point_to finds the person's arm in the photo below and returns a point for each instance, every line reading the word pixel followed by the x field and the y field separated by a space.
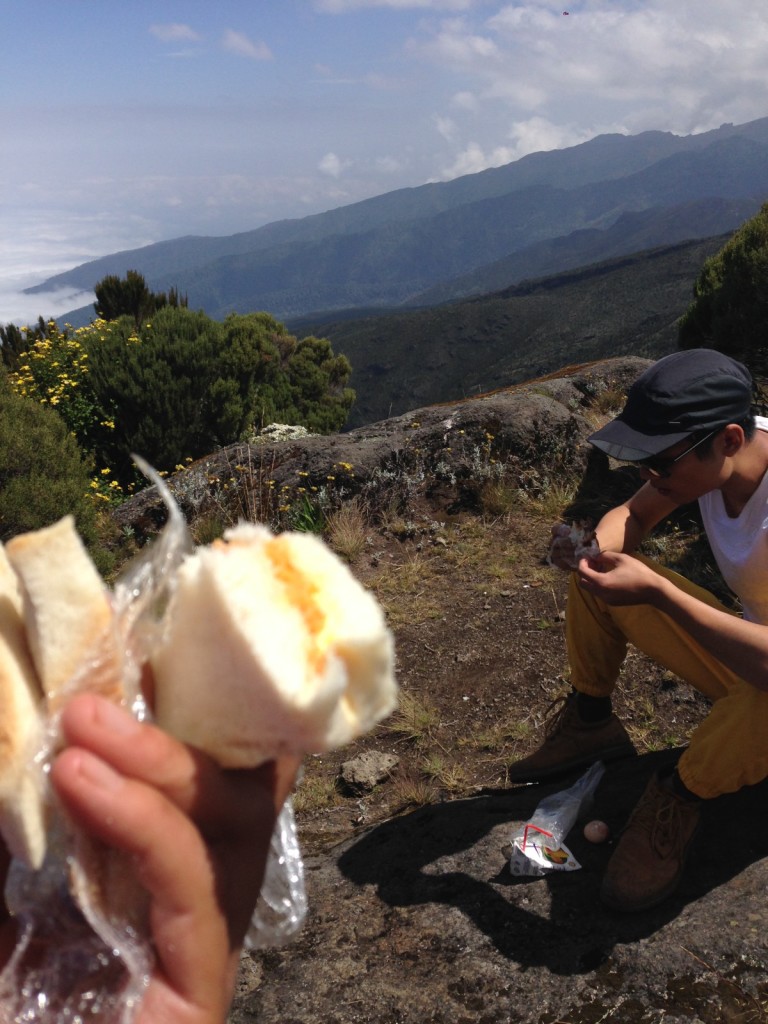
pixel 620 529
pixel 624 527
pixel 619 579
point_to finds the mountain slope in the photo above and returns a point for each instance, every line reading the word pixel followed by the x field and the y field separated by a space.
pixel 410 358
pixel 385 250
pixel 632 232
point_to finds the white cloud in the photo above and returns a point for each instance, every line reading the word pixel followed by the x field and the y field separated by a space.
pixel 175 33
pixel 332 165
pixel 456 46
pixel 342 6
pixel 472 159
pixel 23 310
pixel 537 135
pixel 388 165
pixel 464 100
pixel 534 79
pixel 693 61
pixel 239 43
pixel 446 127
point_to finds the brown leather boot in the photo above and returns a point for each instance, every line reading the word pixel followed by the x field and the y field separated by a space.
pixel 648 861
pixel 570 742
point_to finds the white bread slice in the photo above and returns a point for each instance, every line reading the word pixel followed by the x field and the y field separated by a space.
pixel 67 612
pixel 22 811
pixel 271 645
pixel 75 645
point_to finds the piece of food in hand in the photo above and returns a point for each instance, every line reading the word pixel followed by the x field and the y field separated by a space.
pixel 55 619
pixel 67 612
pixel 22 812
pixel 271 646
pixel 67 641
pixel 571 543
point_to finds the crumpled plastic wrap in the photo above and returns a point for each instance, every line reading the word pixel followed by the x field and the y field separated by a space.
pixel 83 963
pixel 582 541
pixel 537 845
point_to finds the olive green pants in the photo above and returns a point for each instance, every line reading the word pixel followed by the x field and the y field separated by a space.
pixel 730 747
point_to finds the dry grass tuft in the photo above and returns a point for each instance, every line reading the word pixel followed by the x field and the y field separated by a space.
pixel 415 719
pixel 315 792
pixel 347 529
pixel 409 790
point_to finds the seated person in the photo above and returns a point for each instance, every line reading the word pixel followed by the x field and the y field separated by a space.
pixel 689 427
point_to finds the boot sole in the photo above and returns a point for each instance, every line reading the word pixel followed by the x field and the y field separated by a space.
pixel 616 903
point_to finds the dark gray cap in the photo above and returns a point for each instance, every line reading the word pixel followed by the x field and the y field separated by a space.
pixel 684 393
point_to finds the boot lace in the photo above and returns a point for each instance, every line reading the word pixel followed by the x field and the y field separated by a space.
pixel 557 714
pixel 665 819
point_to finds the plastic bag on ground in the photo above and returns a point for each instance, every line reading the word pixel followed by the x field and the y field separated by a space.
pixel 537 845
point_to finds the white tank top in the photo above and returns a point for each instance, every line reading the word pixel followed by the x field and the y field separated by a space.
pixel 740 545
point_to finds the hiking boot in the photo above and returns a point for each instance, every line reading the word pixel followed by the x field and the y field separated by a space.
pixel 570 742
pixel 648 861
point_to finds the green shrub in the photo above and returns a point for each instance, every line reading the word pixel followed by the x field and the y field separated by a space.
pixel 43 475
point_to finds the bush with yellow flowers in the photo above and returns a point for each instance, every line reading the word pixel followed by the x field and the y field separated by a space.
pixel 53 370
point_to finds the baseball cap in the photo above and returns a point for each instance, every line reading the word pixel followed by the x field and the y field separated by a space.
pixel 684 393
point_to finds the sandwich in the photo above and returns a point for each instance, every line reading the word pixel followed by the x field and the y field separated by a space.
pixel 266 644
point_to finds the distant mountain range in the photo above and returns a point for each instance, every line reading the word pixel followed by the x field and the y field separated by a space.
pixel 456 288
pixel 538 216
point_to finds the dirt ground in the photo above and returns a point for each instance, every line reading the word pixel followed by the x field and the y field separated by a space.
pixel 414 915
pixel 479 625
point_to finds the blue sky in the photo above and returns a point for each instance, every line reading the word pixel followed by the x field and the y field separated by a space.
pixel 128 123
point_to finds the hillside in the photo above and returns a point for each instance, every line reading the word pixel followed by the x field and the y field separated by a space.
pixel 386 250
pixel 413 914
pixel 405 359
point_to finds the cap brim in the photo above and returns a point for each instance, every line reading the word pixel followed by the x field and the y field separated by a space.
pixel 622 442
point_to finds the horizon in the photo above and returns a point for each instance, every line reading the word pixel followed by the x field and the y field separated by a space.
pixel 107 151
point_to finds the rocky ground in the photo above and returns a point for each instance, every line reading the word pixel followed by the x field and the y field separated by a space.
pixel 414 915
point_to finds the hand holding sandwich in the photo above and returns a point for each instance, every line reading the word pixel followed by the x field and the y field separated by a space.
pixel 198 836
pixel 267 648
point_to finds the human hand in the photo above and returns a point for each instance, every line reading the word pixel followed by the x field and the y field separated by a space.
pixel 619 579
pixel 197 835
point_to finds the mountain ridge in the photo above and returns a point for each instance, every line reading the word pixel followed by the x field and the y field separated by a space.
pixel 384 250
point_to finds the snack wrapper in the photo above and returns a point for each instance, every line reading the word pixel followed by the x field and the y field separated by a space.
pixel 537 845
pixel 583 542
pixel 84 963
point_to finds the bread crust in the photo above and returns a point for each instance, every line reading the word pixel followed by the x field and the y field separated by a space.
pixel 22 810
pixel 67 612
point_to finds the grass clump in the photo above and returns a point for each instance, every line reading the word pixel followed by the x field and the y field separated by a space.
pixel 415 719
pixel 315 792
pixel 347 529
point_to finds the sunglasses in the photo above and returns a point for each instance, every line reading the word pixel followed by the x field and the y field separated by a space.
pixel 659 466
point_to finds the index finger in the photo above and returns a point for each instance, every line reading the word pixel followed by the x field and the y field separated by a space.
pixel 221 803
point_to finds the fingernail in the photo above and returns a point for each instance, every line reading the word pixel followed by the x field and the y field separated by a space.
pixel 96 772
pixel 116 719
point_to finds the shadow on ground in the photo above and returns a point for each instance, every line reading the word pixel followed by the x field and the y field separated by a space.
pixel 440 855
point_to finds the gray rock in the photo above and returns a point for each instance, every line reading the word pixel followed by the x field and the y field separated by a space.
pixel 367 770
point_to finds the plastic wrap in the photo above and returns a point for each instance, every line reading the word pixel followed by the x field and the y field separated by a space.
pixel 282 904
pixel 92 961
pixel 537 845
pixel 570 544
